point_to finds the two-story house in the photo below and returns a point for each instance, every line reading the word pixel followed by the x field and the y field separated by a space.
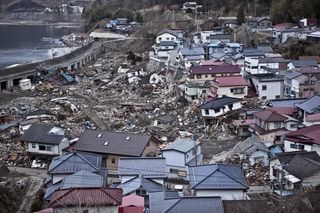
pixel 308 107
pixel 190 56
pixel 218 49
pixel 305 139
pixel 45 140
pixel 296 170
pixel 225 181
pixel 206 37
pixel 293 81
pixel 65 165
pixel 180 154
pixel 169 35
pixel 114 145
pixel 271 126
pixel 231 86
pixel 268 86
pixel 200 74
pixel 259 22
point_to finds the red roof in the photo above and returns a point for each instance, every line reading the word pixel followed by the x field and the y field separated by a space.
pixel 209 62
pixel 313 117
pixel 215 69
pixel 283 26
pixel 283 110
pixel 230 81
pixel 132 200
pixel 270 116
pixel 96 196
pixel 308 135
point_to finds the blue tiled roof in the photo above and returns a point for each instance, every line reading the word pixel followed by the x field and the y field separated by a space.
pixel 74 162
pixel 197 205
pixel 217 176
pixel 140 182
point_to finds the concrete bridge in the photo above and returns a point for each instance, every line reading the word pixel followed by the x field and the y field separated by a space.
pixel 10 77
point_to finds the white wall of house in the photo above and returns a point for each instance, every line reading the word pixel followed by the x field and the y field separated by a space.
pixel 290 146
pixel 166 37
pixel 259 156
pixel 50 149
pixel 174 158
pixel 291 125
pixel 273 90
pixel 58 177
pixel 224 194
pixel 212 113
pixel 221 91
pixel 251 65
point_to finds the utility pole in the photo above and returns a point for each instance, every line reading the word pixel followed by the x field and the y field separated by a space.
pixel 195 148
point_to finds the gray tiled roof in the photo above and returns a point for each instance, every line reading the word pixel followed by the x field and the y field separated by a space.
pixel 219 103
pixel 119 143
pixel 302 167
pixel 249 146
pixel 147 167
pixel 217 176
pixel 39 133
pixel 82 179
pixel 292 75
pixel 159 203
pixel 300 63
pixel 285 102
pixel 197 205
pixel 194 51
pixel 172 32
pixel 181 145
pixel 310 105
pixel 79 179
pixel 140 182
pixel 74 162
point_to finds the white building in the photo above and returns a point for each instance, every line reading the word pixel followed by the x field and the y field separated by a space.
pixel 306 139
pixel 219 106
pixel 169 35
pixel 268 86
pixel 45 140
pixel 231 86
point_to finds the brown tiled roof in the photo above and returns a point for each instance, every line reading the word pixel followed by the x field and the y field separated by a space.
pixel 118 143
pixel 270 116
pixel 96 196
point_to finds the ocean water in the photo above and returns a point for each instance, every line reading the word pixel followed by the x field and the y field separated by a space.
pixel 21 44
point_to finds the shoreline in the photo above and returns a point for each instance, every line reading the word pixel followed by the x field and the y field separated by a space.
pixel 39 23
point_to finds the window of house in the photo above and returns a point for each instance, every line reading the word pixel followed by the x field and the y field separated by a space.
pixel 204 91
pixel 160 38
pixel 264 87
pixel 238 90
pixel 212 75
pixel 175 171
pixel 278 138
pixel 198 76
pixel 277 125
pixel 217 110
pixel 172 38
pixel 167 38
pixel 293 125
pixel 206 75
pixel 264 97
pixel 274 172
pixel 230 106
pixel 42 147
pixel 301 146
pixel 33 146
pixel 141 192
pixel 277 96
pixel 293 146
pixel 48 148
pixel 206 111
pixel 113 160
